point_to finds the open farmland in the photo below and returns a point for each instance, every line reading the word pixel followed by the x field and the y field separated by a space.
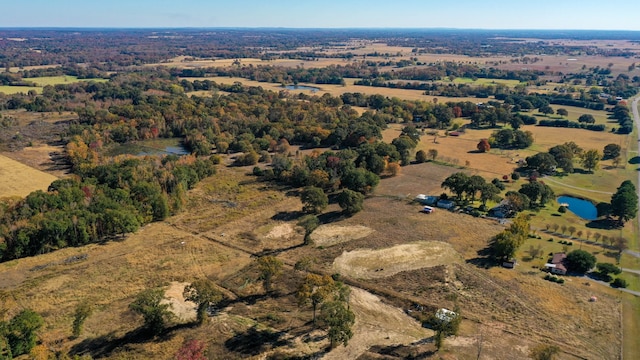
pixel 259 213
pixel 169 254
pixel 41 82
pixel 17 179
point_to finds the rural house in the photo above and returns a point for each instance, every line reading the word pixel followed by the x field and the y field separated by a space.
pixel 557 264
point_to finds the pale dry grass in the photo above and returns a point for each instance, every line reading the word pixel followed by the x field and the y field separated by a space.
pixel 328 235
pixel 17 179
pixel 379 263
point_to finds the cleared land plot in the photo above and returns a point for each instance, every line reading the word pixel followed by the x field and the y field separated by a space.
pixel 17 179
pixel 371 264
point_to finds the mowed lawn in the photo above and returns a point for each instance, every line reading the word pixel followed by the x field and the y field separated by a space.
pixel 17 179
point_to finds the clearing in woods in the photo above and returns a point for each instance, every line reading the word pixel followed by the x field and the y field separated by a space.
pixel 17 179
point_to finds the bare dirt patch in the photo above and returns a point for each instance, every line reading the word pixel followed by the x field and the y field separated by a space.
pixel 377 324
pixel 327 235
pixel 281 231
pixel 370 264
pixel 182 309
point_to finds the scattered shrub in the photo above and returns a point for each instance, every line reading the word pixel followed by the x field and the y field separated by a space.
pixel 619 283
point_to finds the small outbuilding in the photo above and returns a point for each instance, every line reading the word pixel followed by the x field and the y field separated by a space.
pixel 557 264
pixel 446 204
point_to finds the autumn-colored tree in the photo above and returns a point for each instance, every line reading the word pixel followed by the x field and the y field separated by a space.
pixel 433 154
pixel 483 145
pixel 204 293
pixel 315 289
pixel 421 156
pixel 392 168
pixel 270 268
pixel 192 350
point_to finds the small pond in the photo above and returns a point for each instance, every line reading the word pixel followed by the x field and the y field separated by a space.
pixel 583 208
pixel 150 147
pixel 302 87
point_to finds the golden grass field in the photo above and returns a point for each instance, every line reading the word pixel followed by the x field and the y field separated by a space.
pixel 17 179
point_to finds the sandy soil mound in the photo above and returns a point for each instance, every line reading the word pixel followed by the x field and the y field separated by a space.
pixel 370 264
pixel 280 231
pixel 377 324
pixel 327 235
pixel 184 310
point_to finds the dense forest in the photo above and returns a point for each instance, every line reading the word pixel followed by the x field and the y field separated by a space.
pixel 112 48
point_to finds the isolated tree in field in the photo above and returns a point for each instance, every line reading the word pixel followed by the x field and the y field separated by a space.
pixel 204 293
pixel 562 112
pixel 270 268
pixel 534 252
pixel 339 319
pixel 572 230
pixel 483 145
pixel 544 352
pixel 580 261
pixel 350 201
pixel 587 118
pixel 579 233
pixel 315 289
pixel 624 203
pixel 433 154
pixel 546 109
pixel 421 156
pixel 611 151
pixel 596 236
pixel 148 303
pixel 445 328
pixel 563 228
pixel 621 244
pixel 314 200
pixel 309 223
pixel 555 227
pixel 616 161
pixel 82 312
pixel 590 159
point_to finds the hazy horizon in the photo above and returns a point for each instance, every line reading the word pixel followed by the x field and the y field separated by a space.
pixel 615 15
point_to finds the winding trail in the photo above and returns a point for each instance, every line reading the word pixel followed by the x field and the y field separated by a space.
pixel 547 178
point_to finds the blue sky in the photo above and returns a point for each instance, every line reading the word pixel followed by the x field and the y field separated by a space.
pixel 488 14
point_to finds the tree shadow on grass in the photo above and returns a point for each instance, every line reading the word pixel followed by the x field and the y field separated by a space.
pixel 330 217
pixel 484 259
pixel 634 160
pixel 287 215
pixel 105 345
pixel 255 341
pixel 604 224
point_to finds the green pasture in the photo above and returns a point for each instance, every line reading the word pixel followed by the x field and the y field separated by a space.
pixel 9 90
